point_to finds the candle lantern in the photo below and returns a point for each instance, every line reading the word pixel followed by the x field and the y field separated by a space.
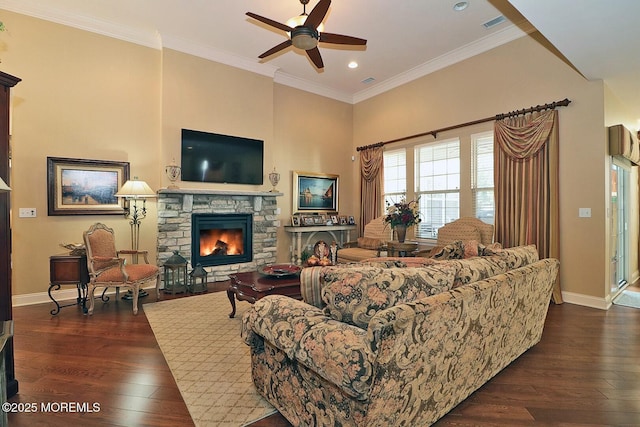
pixel 175 274
pixel 198 280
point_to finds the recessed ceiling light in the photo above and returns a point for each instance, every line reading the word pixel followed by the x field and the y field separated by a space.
pixel 461 5
pixel 353 64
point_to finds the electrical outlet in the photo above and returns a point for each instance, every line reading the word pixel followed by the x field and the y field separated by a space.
pixel 27 213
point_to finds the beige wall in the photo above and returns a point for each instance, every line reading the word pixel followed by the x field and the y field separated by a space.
pixel 517 75
pixel 82 96
pixel 312 134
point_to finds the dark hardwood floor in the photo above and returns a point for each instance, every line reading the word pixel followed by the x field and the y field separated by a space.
pixel 585 371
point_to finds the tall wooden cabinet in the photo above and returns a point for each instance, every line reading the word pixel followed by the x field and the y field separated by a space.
pixel 6 83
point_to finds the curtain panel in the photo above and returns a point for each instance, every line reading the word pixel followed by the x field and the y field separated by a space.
pixel 526 180
pixel 370 185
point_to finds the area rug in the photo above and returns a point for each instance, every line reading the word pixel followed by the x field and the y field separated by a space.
pixel 208 359
pixel 628 299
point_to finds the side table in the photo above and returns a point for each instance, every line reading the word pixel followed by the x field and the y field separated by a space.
pixel 68 270
pixel 403 249
pixel 251 286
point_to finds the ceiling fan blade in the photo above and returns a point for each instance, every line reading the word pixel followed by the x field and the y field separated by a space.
pixel 285 44
pixel 270 22
pixel 314 56
pixel 317 14
pixel 340 39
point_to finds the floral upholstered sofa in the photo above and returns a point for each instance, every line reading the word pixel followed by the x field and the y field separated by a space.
pixel 391 344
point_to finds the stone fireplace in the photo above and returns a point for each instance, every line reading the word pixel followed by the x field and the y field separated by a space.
pixel 252 214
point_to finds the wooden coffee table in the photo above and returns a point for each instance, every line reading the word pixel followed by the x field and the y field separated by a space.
pixel 252 286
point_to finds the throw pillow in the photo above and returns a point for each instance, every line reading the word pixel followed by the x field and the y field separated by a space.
pixel 453 250
pixel 471 248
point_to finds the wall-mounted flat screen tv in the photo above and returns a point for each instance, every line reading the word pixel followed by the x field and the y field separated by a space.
pixel 211 157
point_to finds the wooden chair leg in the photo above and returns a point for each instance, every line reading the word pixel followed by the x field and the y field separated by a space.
pixel 91 297
pixel 136 293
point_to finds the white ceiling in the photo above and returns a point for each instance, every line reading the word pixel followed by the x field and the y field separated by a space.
pixel 406 38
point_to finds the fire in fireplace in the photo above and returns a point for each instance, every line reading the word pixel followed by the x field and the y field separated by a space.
pixel 219 239
pixel 218 242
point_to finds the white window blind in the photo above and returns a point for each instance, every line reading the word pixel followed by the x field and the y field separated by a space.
pixel 437 184
pixel 482 176
pixel 395 175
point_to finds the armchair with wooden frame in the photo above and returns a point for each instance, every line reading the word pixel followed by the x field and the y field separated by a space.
pixel 108 268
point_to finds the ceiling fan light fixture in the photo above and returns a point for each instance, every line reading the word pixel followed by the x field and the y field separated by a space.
pixel 298 21
pixel 304 38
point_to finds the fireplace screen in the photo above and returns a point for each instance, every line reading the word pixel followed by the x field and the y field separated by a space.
pixel 216 242
pixel 219 239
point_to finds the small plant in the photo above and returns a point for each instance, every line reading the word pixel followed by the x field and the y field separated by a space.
pixel 304 256
pixel 2 27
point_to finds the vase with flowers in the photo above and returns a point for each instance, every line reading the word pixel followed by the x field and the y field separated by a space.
pixel 401 215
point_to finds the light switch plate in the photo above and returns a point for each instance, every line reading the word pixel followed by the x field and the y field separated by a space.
pixel 584 212
pixel 27 213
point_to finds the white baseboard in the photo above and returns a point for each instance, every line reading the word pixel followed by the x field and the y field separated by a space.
pixel 587 300
pixel 62 295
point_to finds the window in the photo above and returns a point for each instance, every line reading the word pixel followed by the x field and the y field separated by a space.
pixel 395 175
pixel 437 184
pixel 482 176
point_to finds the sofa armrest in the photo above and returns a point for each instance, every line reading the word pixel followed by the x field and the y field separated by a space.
pixel 352 244
pixel 336 351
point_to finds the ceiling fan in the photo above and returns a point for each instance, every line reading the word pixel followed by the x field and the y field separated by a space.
pixel 306 36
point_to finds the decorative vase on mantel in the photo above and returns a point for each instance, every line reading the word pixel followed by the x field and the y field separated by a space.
pixel 401 232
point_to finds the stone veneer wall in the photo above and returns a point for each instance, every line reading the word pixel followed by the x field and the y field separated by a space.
pixel 174 225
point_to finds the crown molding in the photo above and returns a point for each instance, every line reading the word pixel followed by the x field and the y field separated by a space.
pixel 46 12
pixel 477 47
pixel 217 55
pixel 309 86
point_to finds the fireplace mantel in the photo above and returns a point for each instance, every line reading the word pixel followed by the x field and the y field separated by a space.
pixel 214 192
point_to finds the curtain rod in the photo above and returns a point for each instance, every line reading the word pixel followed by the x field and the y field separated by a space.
pixel 434 133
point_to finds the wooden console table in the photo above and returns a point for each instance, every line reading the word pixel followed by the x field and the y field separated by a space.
pixel 310 231
pixel 251 286
pixel 68 270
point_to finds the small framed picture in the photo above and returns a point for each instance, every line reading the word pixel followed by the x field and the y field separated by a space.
pixel 318 220
pixel 352 220
pixel 295 221
pixel 343 220
pixel 307 220
pixel 334 219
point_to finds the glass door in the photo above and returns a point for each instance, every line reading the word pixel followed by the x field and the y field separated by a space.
pixel 619 226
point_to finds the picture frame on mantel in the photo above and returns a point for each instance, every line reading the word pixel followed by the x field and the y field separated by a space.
pixel 85 187
pixel 315 192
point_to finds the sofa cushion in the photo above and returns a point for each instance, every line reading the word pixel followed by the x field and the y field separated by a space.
pixel 354 296
pixel 355 254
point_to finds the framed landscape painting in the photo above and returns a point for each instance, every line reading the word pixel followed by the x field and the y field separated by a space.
pixel 315 192
pixel 85 187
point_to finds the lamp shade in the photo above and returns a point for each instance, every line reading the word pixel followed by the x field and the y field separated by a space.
pixel 4 186
pixel 135 189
